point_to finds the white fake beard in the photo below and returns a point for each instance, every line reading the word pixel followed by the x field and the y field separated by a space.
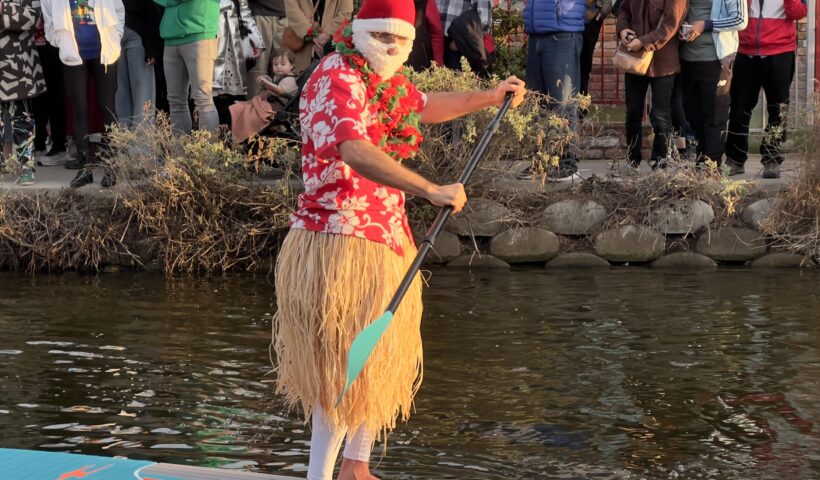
pixel 375 52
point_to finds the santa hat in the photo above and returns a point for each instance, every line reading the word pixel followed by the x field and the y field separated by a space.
pixel 389 16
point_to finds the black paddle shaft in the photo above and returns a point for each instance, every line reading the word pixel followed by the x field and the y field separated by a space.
pixel 445 212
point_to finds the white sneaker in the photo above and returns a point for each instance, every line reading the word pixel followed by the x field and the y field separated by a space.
pixel 58 158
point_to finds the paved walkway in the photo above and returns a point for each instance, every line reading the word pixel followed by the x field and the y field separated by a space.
pixel 52 179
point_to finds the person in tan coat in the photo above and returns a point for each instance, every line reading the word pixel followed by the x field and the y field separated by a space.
pixel 304 14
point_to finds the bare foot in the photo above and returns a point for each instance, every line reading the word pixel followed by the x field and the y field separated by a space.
pixel 355 470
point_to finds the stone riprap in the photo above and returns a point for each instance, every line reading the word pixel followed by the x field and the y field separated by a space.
pixel 630 243
pixel 756 212
pixel 478 261
pixel 574 217
pixel 731 244
pixel 446 247
pixel 684 217
pixel 525 245
pixel 577 260
pixel 480 218
pixel 782 260
pixel 684 260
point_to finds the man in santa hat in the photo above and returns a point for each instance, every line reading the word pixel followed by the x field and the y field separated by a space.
pixel 350 244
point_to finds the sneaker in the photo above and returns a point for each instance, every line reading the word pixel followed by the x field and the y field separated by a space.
pixel 83 178
pixel 735 168
pixel 526 174
pixel 109 179
pixel 564 175
pixel 27 177
pixel 771 170
pixel 52 158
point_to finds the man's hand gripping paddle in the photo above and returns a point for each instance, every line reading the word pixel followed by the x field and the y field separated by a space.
pixel 366 341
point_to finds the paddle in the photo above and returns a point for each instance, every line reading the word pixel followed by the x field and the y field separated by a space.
pixel 366 341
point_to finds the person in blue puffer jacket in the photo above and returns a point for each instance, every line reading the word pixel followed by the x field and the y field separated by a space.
pixel 555 29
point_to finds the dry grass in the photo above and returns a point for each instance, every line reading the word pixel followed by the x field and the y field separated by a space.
pixel 795 218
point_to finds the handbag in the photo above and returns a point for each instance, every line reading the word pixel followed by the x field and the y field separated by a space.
pixel 636 63
pixel 291 41
pixel 294 42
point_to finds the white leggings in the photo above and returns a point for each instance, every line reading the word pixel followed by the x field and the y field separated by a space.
pixel 325 443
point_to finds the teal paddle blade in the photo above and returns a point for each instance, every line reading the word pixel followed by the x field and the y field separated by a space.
pixel 362 347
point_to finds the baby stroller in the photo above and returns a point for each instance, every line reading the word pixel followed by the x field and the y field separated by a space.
pixel 285 124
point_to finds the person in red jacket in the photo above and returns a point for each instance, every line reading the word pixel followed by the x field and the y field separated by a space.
pixel 765 60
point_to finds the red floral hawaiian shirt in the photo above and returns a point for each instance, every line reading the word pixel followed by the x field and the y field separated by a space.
pixel 334 108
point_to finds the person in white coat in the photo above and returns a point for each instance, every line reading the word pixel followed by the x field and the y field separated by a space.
pixel 88 34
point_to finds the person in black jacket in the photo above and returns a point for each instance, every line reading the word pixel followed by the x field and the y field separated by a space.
pixel 141 49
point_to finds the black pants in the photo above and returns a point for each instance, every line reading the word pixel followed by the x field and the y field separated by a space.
pixel 592 31
pixel 49 108
pixel 682 128
pixel 774 74
pixel 223 103
pixel 706 88
pixel 76 82
pixel 660 115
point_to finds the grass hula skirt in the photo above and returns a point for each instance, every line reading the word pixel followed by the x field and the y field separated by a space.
pixel 329 287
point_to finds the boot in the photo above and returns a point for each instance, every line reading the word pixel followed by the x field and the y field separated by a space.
pixel 84 176
pixel 78 162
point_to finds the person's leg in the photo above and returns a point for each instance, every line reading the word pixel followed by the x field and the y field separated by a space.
pixel 534 76
pixel 561 70
pixel 661 119
pixel 105 79
pixel 76 82
pixel 715 84
pixel 23 133
pixel 177 83
pixel 592 31
pixel 744 95
pixel 143 86
pixel 325 443
pixel 55 92
pixel 634 97
pixel 40 107
pixel 123 98
pixel 199 60
pixel 356 455
pixel 692 101
pixel 777 76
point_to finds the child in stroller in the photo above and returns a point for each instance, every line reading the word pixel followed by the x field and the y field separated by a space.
pixel 251 116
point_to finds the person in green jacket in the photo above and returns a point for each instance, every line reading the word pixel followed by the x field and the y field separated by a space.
pixel 189 28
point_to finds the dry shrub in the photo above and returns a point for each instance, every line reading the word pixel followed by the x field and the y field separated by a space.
pixel 530 132
pixel 192 204
pixel 795 218
pixel 64 231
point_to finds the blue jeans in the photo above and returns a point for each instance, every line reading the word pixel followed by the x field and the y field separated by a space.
pixel 135 81
pixel 554 69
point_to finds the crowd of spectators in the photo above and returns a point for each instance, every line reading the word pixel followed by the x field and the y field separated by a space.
pixel 84 65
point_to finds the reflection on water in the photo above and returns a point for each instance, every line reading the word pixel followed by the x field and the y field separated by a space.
pixel 619 374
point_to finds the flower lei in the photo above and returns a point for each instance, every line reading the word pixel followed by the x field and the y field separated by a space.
pixel 396 129
pixel 312 31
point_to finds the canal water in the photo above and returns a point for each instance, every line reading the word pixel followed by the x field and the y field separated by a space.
pixel 619 374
